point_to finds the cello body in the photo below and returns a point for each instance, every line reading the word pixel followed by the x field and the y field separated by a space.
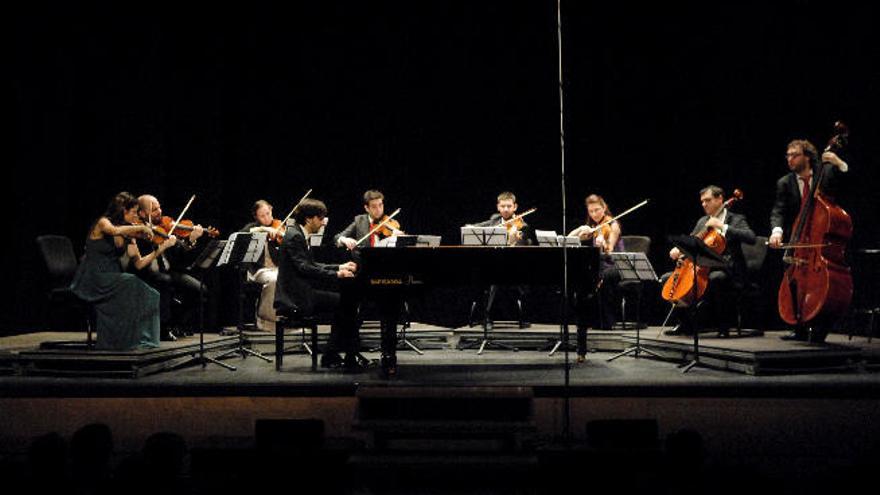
pixel 684 288
pixel 818 283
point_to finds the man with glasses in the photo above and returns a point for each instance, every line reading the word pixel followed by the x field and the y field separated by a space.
pixel 793 189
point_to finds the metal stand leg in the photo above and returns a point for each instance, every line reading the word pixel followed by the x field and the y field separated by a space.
pixel 241 349
pixel 487 343
pixel 636 349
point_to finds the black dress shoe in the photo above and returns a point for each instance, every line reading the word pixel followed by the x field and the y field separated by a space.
pixel 331 360
pixel 389 365
pixel 794 336
pixel 355 363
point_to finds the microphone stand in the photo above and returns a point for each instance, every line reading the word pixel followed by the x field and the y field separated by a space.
pixel 566 417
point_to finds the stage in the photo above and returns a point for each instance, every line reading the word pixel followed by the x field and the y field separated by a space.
pixel 507 412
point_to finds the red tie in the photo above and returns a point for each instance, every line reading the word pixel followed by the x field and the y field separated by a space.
pixel 806 192
pixel 373 236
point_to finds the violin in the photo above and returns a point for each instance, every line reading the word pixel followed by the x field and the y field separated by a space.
pixel 515 225
pixel 381 228
pixel 183 230
pixel 388 227
pixel 274 229
pixel 684 288
pixel 605 222
pixel 817 282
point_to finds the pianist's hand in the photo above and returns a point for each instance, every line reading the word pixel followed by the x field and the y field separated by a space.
pixel 350 266
pixel 343 273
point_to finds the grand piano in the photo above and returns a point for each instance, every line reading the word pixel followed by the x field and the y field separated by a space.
pixel 387 275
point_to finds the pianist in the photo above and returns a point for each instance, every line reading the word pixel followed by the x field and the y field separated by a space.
pixel 308 287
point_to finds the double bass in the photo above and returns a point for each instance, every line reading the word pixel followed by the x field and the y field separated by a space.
pixel 679 287
pixel 817 283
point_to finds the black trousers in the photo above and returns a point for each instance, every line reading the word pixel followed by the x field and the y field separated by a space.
pixel 175 284
pixel 344 330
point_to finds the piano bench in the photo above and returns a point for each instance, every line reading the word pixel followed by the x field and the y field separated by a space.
pixel 293 319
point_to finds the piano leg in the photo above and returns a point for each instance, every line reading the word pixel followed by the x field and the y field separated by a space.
pixel 389 308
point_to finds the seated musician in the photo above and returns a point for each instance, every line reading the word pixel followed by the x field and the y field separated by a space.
pixel 519 234
pixel 374 206
pixel 309 287
pixel 165 275
pixel 604 233
pixel 723 282
pixel 126 309
pixel 791 190
pixel 267 273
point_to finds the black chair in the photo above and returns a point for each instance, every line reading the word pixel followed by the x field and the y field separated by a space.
pixel 750 294
pixel 61 264
pixel 633 288
pixel 295 319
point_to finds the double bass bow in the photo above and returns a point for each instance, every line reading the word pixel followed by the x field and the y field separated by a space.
pixel 685 287
pixel 817 283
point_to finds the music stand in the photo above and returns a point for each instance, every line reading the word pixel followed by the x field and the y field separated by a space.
pixel 485 236
pixel 243 249
pixel 204 262
pixel 549 238
pixel 634 266
pixel 696 250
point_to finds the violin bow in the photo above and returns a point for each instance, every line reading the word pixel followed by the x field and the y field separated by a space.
pixel 377 227
pixel 625 213
pixel 306 195
pixel 517 217
pixel 182 213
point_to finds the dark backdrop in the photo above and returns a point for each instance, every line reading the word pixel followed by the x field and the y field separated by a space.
pixel 440 104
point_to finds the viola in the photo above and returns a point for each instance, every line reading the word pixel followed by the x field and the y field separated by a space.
pixel 686 286
pixel 183 229
pixel 817 282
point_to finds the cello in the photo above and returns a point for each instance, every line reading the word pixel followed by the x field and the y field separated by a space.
pixel 679 287
pixel 817 283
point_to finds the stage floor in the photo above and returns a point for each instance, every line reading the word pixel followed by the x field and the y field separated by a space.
pixel 841 367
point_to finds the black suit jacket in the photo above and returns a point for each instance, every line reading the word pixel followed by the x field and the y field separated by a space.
pixel 299 273
pixel 738 232
pixel 356 229
pixel 788 196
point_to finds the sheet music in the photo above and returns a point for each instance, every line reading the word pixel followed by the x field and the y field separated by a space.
pixel 483 236
pixel 633 266
pixel 256 244
pixel 549 238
